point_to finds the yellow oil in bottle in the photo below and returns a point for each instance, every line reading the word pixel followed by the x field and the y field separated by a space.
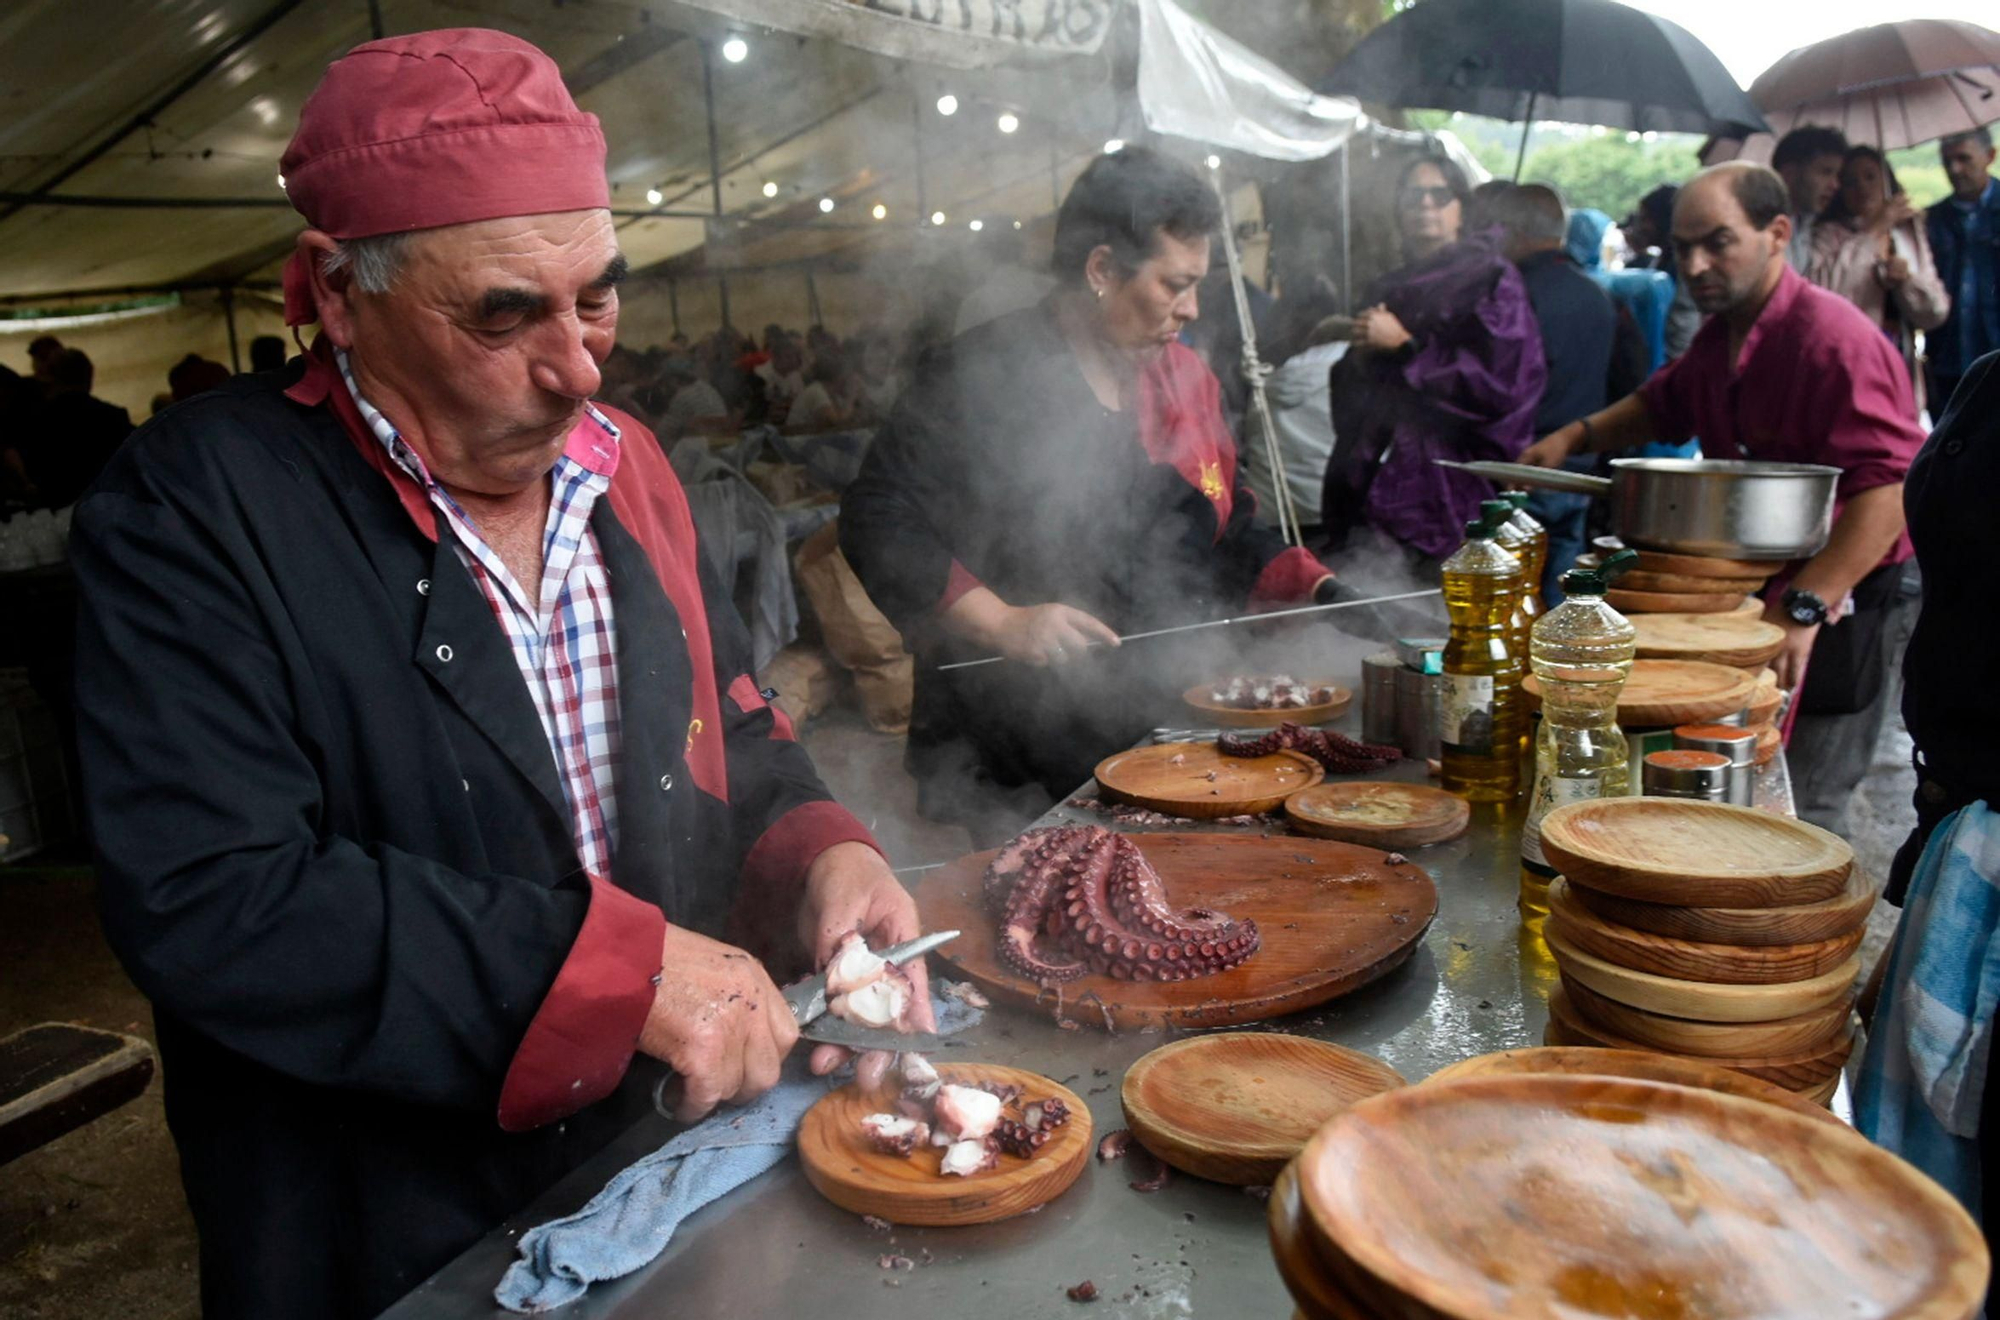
pixel 1480 699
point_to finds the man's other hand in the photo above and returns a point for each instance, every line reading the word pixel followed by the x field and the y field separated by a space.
pixel 718 1021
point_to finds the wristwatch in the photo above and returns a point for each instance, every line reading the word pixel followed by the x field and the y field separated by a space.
pixel 1804 608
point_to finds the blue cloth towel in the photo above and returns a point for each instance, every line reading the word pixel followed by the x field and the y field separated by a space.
pixel 1924 1075
pixel 631 1221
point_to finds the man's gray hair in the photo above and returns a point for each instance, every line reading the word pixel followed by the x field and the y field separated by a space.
pixel 1982 135
pixel 372 262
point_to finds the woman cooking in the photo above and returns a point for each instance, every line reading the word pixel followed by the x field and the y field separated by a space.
pixel 1447 363
pixel 1055 478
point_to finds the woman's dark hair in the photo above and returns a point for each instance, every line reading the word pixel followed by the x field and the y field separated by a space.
pixel 1454 176
pixel 1836 210
pixel 1124 201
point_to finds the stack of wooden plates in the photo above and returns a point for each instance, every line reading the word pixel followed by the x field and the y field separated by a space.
pixel 1739 639
pixel 1708 932
pixel 1687 584
pixel 1664 693
pixel 1508 1196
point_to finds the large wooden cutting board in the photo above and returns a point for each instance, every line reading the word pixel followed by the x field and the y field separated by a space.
pixel 1741 640
pixel 1660 694
pixel 1331 916
pixel 1194 779
pixel 847 1171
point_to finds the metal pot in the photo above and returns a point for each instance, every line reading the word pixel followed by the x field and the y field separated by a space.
pixel 1720 508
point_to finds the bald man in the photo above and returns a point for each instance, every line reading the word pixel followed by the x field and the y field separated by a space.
pixel 1786 372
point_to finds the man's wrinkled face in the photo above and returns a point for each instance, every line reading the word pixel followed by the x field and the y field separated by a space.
pixel 1970 164
pixel 1724 259
pixel 489 342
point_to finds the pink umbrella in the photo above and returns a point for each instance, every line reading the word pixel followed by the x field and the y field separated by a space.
pixel 1892 85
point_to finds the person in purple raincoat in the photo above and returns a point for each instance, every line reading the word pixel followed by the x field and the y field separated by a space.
pixel 1447 363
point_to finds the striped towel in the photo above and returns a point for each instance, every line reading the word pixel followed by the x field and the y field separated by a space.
pixel 1924 1076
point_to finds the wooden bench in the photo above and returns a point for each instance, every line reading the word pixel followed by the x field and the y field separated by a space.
pixel 56 1077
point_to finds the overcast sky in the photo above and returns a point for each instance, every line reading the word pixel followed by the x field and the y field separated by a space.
pixel 1749 34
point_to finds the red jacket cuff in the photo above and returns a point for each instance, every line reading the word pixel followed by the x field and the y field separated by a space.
pixel 956 584
pixel 582 1038
pixel 1289 577
pixel 777 862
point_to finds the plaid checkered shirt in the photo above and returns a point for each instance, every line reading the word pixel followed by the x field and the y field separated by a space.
pixel 562 637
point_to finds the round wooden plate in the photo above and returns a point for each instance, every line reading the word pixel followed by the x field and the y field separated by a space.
pixel 1236 717
pixel 1694 960
pixel 1751 605
pixel 1241 785
pixel 1579 1061
pixel 1799 1071
pixel 1331 917
pixel 1698 999
pixel 1665 693
pixel 1379 813
pixel 1703 854
pixel 1316 1295
pixel 1768 742
pixel 1672 602
pixel 1737 640
pixel 1239 1106
pixel 1567 1196
pixel 848 1172
pixel 1802 923
pixel 1701 566
pixel 1806 1033
pixel 1683 584
pixel 1765 699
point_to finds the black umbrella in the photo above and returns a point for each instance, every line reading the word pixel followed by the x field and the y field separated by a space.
pixel 1574 61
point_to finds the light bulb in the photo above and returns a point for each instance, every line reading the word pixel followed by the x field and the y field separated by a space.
pixel 880 212
pixel 1017 224
pixel 947 104
pixel 1113 146
pixel 937 217
pixel 976 225
pixel 770 189
pixel 281 180
pixel 1008 122
pixel 735 50
pixel 825 205
pixel 654 197
pixel 1214 162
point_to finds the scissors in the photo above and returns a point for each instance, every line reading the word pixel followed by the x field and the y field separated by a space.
pixel 807 1000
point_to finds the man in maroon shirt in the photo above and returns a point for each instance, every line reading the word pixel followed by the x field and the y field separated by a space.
pixel 1786 372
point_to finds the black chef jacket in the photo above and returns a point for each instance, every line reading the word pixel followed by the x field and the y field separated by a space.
pixel 999 466
pixel 333 848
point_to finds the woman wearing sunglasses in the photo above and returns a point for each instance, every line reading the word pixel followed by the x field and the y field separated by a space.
pixel 1447 363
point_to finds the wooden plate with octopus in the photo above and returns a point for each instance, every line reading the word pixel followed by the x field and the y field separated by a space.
pixel 848 1171
pixel 1195 780
pixel 1330 918
pixel 1201 699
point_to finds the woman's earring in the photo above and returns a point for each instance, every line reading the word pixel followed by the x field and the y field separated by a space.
pixel 1099 291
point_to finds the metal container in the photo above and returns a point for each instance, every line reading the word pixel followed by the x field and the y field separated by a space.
pixel 1702 776
pixel 1738 744
pixel 1720 508
pixel 1418 717
pixel 1378 698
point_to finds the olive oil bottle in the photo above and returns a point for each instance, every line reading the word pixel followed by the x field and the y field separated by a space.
pixel 1480 690
pixel 1533 552
pixel 1581 654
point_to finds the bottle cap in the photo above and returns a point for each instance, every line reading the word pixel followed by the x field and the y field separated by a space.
pixel 1517 498
pixel 1595 581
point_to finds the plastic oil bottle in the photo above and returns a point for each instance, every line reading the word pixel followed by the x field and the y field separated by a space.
pixel 1479 692
pixel 1581 653
pixel 1525 539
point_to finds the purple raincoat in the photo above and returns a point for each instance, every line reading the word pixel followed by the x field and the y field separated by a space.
pixel 1467 388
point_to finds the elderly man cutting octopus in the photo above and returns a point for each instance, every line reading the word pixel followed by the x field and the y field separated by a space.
pixel 423 757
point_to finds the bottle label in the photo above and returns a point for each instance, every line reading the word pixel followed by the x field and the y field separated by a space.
pixel 1552 791
pixel 1466 714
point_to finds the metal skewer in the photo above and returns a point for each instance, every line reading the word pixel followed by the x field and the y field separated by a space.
pixel 1229 623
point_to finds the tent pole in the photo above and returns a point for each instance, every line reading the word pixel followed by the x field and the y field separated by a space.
pixel 1527 127
pixel 375 29
pixel 1346 232
pixel 229 320
pixel 1253 370
pixel 917 152
pixel 674 301
pixel 714 160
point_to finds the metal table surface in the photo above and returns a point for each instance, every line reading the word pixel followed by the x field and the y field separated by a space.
pixel 1477 983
